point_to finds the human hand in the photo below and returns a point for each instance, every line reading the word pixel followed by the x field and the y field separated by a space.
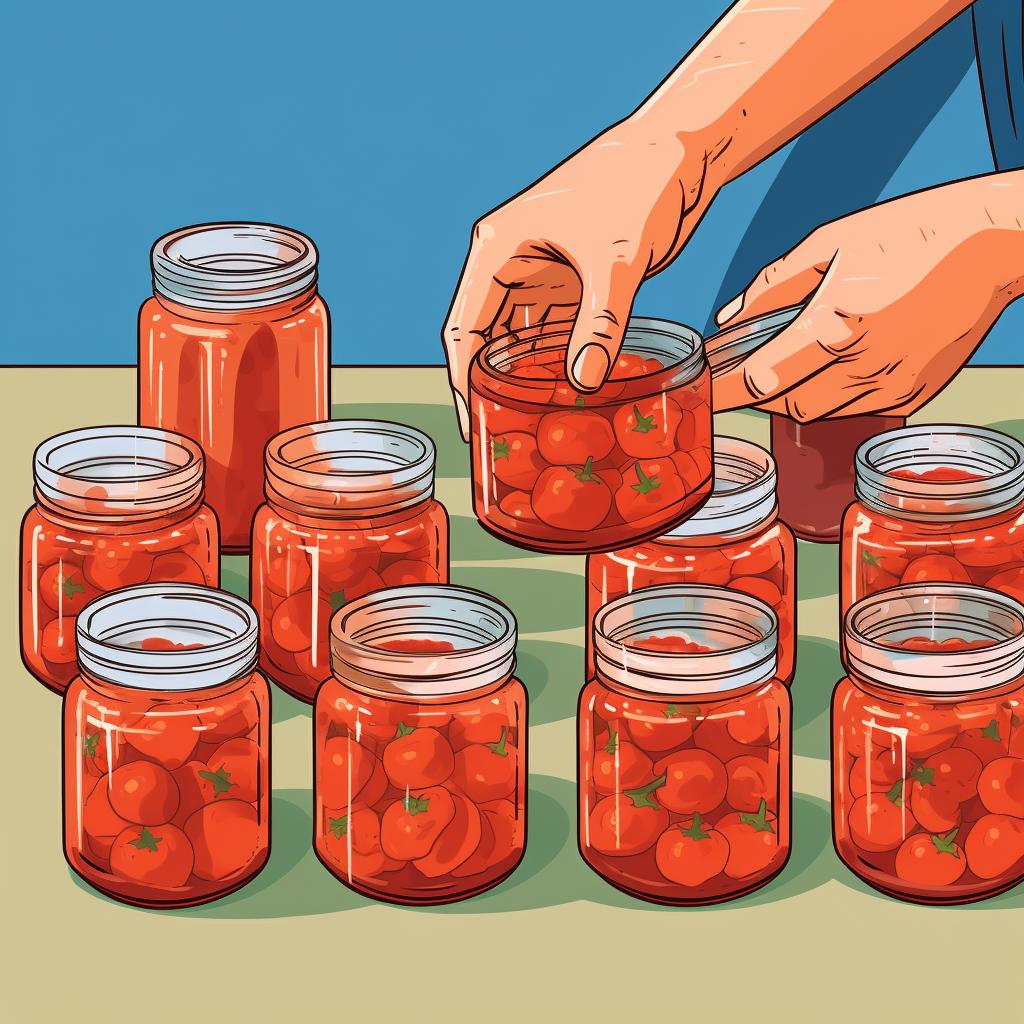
pixel 577 244
pixel 897 297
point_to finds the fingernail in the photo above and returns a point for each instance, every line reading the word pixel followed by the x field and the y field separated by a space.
pixel 590 367
pixel 729 310
pixel 462 411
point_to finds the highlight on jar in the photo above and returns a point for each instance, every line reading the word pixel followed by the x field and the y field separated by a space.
pixel 234 346
pixel 937 503
pixel 115 506
pixel 555 470
pixel 735 540
pixel 166 747
pixel 685 747
pixel 350 510
pixel 420 746
pixel 928 743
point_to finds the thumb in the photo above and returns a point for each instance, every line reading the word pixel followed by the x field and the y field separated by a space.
pixel 605 303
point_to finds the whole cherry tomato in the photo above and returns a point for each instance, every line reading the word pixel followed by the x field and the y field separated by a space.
pixel 456 842
pixel 649 488
pixel 165 732
pixel 995 845
pixel 656 727
pixel 930 860
pixel 935 569
pixel 195 788
pixel 516 505
pixel 1009 581
pixel 157 855
pixel 143 792
pixel 100 821
pixel 352 840
pixel 753 722
pixel 620 826
pixel 571 499
pixel 294 623
pixel 753 841
pixel 695 781
pixel 410 826
pixel 283 569
pixel 225 837
pixel 177 567
pixel 228 718
pixel 713 735
pixel 418 757
pixel 478 724
pixel 115 564
pixel 751 780
pixel 234 769
pixel 487 771
pixel 570 438
pixel 929 730
pixel 58 640
pixel 691 854
pixel 875 774
pixel 988 742
pixel 618 764
pixel 647 429
pixel 515 459
pixel 880 821
pixel 398 574
pixel 1001 786
pixel 481 857
pixel 496 419
pixel 64 588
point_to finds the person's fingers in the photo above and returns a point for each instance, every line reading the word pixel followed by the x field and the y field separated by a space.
pixel 816 339
pixel 831 393
pixel 607 297
pixel 786 282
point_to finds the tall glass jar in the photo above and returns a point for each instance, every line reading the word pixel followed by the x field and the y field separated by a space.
pixel 685 747
pixel 735 540
pixel 936 503
pixel 114 507
pixel 234 346
pixel 350 510
pixel 420 746
pixel 167 747
pixel 928 743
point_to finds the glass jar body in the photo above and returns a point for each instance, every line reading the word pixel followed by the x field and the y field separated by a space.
pixel 686 799
pixel 66 562
pixel 923 788
pixel 167 794
pixel 337 560
pixel 232 381
pixel 761 563
pixel 420 799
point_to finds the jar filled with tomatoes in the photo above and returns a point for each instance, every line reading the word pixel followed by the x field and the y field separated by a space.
pixel 735 540
pixel 114 507
pixel 166 747
pixel 928 743
pixel 684 746
pixel 556 470
pixel 420 746
pixel 936 503
pixel 234 346
pixel 349 510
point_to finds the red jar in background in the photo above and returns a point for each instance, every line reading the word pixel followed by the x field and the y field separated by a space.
pixel 735 540
pixel 420 746
pixel 928 743
pixel 166 747
pixel 555 470
pixel 685 747
pixel 350 510
pixel 936 503
pixel 115 507
pixel 234 346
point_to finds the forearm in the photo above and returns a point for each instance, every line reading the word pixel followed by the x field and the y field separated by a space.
pixel 997 201
pixel 771 68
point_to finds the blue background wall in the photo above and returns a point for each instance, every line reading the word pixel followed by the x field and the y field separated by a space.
pixel 384 130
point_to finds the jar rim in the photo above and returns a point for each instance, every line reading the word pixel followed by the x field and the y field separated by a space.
pixel 937 611
pixel 714 615
pixel 142 472
pixel 482 630
pixel 233 265
pixel 996 458
pixel 225 627
pixel 350 468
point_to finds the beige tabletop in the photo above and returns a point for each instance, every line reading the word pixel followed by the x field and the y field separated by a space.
pixel 814 945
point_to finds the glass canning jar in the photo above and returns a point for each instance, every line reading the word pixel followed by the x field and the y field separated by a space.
pixel 114 507
pixel 420 746
pixel 234 346
pixel 685 746
pixel 349 510
pixel 735 540
pixel 167 747
pixel 928 743
pixel 939 504
pixel 555 470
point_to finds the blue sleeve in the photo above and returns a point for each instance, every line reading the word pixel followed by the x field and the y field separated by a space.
pixel 997 40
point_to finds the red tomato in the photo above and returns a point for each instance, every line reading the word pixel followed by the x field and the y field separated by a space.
pixel 143 792
pixel 516 505
pixel 1001 786
pixel 95 755
pixel 418 758
pixel 656 727
pixel 487 771
pixel 100 821
pixel 995 845
pixel 58 640
pixel 455 844
pixel 647 429
pixel 294 624
pixel 751 780
pixel 879 822
pixel 649 488
pixel 352 840
pixel 482 857
pixel 986 743
pixel 629 364
pixel 759 587
pixel 114 564
pixel 227 719
pixel 618 764
pixel 754 723
pixel 225 837
pixel 753 841
pixel 571 499
pixel 876 774
pixel 194 789
pixel 283 569
pixel 935 569
pixel 695 782
pixel 930 860
pixel 64 588
pixel 177 567
pixel 499 419
pixel 1010 581
pixel 515 459
pixel 929 730
pixel 669 644
pixel 159 855
pixel 477 725
pixel 397 574
pixel 691 855
pixel 570 438
pixel 167 733
pixel 411 826
pixel 234 769
pixel 162 643
pixel 936 810
pixel 620 826
pixel 508 829
pixel 343 769
pixel 713 735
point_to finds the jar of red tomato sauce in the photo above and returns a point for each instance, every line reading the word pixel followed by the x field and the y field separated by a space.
pixel 684 746
pixel 936 503
pixel 735 540
pixel 115 507
pixel 928 743
pixel 234 346
pixel 166 747
pixel 420 746
pixel 555 470
pixel 350 510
